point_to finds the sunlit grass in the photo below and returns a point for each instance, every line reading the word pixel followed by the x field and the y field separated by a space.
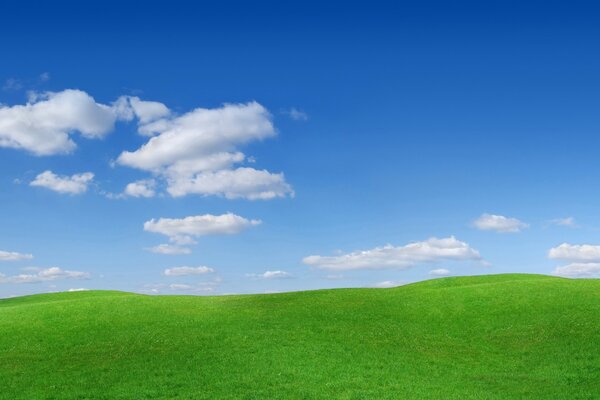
pixel 487 337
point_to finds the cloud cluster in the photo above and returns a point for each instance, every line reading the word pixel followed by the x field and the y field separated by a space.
pixel 74 184
pixel 196 153
pixel 499 223
pixel 401 257
pixel 193 153
pixel 584 260
pixel 182 231
pixel 43 275
pixel 14 256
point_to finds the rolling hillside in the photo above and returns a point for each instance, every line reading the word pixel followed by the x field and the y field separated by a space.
pixel 485 337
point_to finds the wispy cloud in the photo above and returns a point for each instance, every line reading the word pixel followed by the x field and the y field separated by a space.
pixel 183 271
pixel 14 256
pixel 429 251
pixel 49 274
pixel 271 275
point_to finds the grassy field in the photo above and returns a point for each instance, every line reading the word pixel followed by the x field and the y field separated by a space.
pixel 485 337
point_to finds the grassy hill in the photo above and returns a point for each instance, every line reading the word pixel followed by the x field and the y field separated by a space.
pixel 485 337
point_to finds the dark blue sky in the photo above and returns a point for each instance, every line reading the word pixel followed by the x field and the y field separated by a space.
pixel 421 117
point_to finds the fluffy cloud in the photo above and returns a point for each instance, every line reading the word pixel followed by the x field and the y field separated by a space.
pixel 182 271
pixel 14 256
pixel 142 188
pixel 247 183
pixel 271 275
pixel 579 270
pixel 45 124
pixel 584 258
pixel 129 107
pixel 574 252
pixel 402 257
pixel 74 184
pixel 199 225
pixel 182 231
pixel 42 275
pixel 499 223
pixel 77 290
pixel 439 272
pixel 196 152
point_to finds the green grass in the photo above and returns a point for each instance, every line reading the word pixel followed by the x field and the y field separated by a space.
pixel 485 337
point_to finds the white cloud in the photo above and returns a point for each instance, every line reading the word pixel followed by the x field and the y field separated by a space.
pixel 169 249
pixel 402 257
pixel 439 272
pixel 579 270
pixel 247 183
pixel 45 124
pixel 182 271
pixel 196 152
pixel 14 256
pixel 49 274
pixel 78 290
pixel 387 284
pixel 183 229
pixel 499 223
pixel 199 287
pixel 271 275
pixel 141 188
pixel 296 114
pixel 574 252
pixel 180 286
pixel 128 107
pixel 74 184
pixel 568 221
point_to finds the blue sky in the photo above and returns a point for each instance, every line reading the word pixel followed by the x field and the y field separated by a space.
pixel 296 147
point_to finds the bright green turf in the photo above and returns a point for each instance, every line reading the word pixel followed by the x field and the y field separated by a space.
pixel 486 337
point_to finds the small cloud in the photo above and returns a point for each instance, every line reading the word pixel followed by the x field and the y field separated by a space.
pixel 14 256
pixel 387 284
pixel 499 223
pixel 568 221
pixel 271 275
pixel 74 184
pixel 12 85
pixel 334 277
pixel 44 77
pixel 78 290
pixel 169 249
pixel 439 272
pixel 141 188
pixel 182 231
pixel 182 271
pixel 295 114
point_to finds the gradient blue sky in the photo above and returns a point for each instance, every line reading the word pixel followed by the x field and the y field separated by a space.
pixel 412 122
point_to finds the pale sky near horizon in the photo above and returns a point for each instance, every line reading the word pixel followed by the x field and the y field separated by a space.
pixel 179 149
